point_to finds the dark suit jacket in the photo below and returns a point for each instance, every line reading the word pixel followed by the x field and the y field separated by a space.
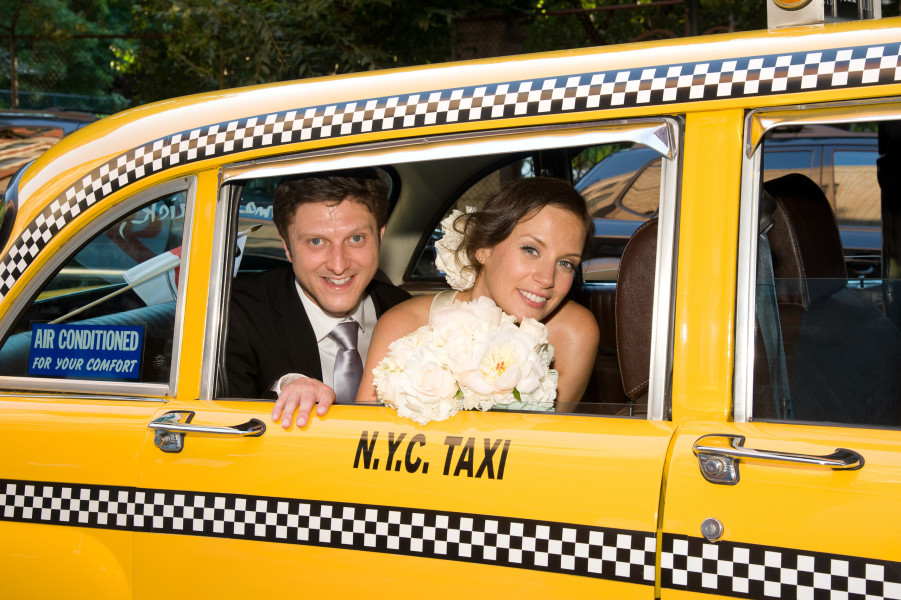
pixel 270 335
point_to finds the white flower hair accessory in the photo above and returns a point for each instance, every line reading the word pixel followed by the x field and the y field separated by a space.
pixel 451 259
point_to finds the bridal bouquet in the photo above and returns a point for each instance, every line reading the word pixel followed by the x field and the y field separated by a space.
pixel 470 356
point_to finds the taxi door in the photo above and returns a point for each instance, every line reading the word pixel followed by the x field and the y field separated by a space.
pixel 361 502
pixel 779 505
pixel 72 429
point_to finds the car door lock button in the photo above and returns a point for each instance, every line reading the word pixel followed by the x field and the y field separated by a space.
pixel 712 529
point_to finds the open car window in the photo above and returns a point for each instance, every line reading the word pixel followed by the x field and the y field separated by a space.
pixel 432 182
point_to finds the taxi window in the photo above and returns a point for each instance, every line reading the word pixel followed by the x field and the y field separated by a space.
pixel 854 187
pixel 827 329
pixel 108 313
pixel 426 186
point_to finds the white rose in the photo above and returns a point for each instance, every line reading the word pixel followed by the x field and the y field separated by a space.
pixel 413 380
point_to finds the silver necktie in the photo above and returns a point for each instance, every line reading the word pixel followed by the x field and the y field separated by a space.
pixel 348 364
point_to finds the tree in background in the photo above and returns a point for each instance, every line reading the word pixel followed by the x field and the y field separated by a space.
pixel 170 48
pixel 44 50
pixel 218 44
pixel 561 24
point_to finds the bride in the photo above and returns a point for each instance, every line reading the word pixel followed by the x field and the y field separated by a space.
pixel 522 250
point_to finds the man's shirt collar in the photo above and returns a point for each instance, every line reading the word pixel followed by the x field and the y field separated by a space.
pixel 324 323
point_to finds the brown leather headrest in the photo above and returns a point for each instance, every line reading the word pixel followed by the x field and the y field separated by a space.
pixel 635 310
pixel 808 260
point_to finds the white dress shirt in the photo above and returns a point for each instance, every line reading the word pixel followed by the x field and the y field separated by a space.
pixel 323 324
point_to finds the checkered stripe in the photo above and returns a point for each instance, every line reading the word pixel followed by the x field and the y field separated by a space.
pixel 687 82
pixel 752 571
pixel 520 543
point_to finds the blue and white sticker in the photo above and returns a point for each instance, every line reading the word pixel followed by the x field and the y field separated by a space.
pixel 92 351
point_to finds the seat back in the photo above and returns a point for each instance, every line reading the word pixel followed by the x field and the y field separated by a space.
pixel 842 355
pixel 808 260
pixel 604 394
pixel 635 311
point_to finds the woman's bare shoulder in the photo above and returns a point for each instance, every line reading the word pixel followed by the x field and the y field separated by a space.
pixel 574 322
pixel 414 311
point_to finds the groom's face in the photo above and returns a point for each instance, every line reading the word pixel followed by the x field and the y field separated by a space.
pixel 334 251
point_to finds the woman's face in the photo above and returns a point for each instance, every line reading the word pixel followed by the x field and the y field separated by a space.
pixel 530 272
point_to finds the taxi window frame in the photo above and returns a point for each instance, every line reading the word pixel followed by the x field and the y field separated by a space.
pixel 93 387
pixel 664 134
pixel 757 123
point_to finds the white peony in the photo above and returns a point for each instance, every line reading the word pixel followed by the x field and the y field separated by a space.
pixel 451 260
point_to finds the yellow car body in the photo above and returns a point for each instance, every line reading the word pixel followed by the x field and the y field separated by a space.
pixel 362 502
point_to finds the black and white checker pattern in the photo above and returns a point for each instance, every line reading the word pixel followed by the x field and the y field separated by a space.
pixel 752 571
pixel 688 82
pixel 520 543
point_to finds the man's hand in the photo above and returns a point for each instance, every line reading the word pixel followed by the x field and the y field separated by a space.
pixel 299 396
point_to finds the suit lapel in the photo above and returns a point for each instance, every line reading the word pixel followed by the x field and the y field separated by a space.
pixel 295 329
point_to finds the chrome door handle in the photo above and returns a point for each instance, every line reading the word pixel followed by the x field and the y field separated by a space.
pixel 719 456
pixel 171 429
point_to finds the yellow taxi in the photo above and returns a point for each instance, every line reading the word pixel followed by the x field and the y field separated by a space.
pixel 740 436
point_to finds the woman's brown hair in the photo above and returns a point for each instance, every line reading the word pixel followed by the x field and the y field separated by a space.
pixel 516 201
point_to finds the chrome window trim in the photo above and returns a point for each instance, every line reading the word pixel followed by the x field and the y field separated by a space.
pixel 86 389
pixel 98 387
pixel 660 134
pixel 757 123
pixel 652 132
pixel 219 289
pixel 662 327
pixel 745 300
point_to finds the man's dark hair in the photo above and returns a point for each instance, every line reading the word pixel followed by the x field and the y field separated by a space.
pixel 363 186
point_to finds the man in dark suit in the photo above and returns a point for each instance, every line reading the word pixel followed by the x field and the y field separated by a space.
pixel 282 336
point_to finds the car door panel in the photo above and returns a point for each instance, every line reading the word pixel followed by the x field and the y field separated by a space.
pixel 69 469
pixel 788 529
pixel 530 501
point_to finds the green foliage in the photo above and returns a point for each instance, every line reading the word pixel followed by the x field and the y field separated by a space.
pixel 216 44
pixel 178 47
pixel 49 57
pixel 552 28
